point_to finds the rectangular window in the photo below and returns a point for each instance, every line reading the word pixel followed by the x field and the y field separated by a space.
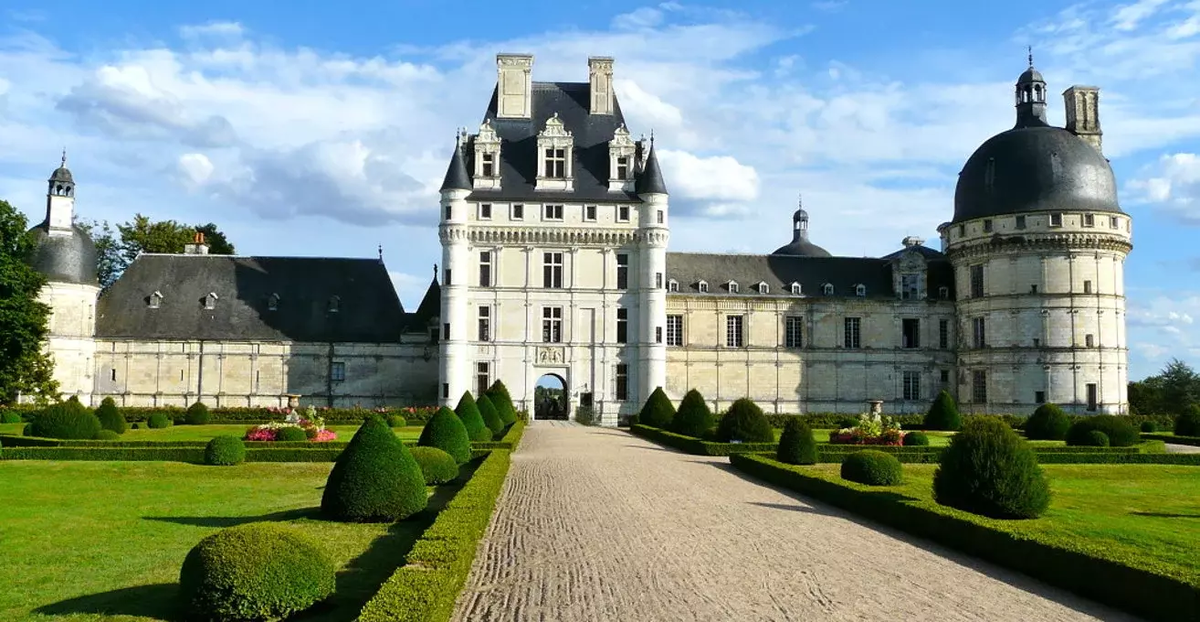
pixel 910 329
pixel 733 331
pixel 1020 222
pixel 909 286
pixel 434 335
pixel 622 213
pixel 589 212
pixel 658 280
pixel 977 281
pixel 945 376
pixel 485 269
pixel 661 216
pixel 622 382
pixel 1039 397
pixel 446 331
pixel 1092 397
pixel 793 331
pixel 1033 288
pixel 675 330
pixel 518 211
pixel 446 280
pixel 622 271
pixel 445 390
pixel 1112 222
pixel 556 163
pixel 489 165
pixel 979 386
pixel 1089 341
pixel 485 211
pixel 658 334
pixel 112 374
pixel 1087 287
pixel 912 386
pixel 852 337
pixel 552 212
pixel 552 324
pixel 552 270
pixel 449 212
pixel 987 225
pixel 1089 220
pixel 979 333
pixel 1055 220
pixel 485 323
pixel 622 167
pixel 943 334
pixel 482 377
pixel 622 325
pixel 337 371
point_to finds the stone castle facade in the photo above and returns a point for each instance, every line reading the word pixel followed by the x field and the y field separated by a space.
pixel 555 232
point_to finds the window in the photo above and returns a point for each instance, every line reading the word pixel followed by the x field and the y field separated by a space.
pixel 675 330
pixel 733 331
pixel 673 285
pixel 860 290
pixel 622 213
pixel 556 163
pixel 518 211
pixel 910 333
pixel 434 334
pixel 485 211
pixel 622 325
pixel 156 300
pixel 445 390
pixel 622 382
pixel 1055 220
pixel 793 331
pixel 622 271
pixel 977 281
pixel 1020 222
pixel 1033 288
pixel 909 286
pixel 763 288
pixel 944 293
pixel 979 334
pixel 1112 222
pixel 485 323
pixel 446 280
pixel 945 376
pixel 337 371
pixel 552 212
pixel 210 301
pixel 552 324
pixel 796 289
pixel 112 374
pixel 1087 287
pixel 658 334
pixel 273 302
pixel 979 386
pixel 1089 220
pixel 943 334
pixel 489 165
pixel 589 212
pixel 827 289
pixel 962 230
pixel 552 270
pixel 661 216
pixel 1039 397
pixel 1089 341
pixel 702 286
pixel 335 302
pixel 912 386
pixel 658 280
pixel 852 337
pixel 446 331
pixel 622 167
pixel 449 212
pixel 485 268
pixel 1092 397
pixel 987 225
pixel 732 286
pixel 482 377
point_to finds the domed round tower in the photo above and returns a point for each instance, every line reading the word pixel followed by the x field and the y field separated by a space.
pixel 1038 243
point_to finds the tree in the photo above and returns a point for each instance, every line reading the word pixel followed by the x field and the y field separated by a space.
pixel 25 368
pixel 115 251
pixel 1168 392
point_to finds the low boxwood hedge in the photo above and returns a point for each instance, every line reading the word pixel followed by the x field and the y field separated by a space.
pixel 1170 438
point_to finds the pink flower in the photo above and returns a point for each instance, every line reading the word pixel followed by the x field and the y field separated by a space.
pixel 324 436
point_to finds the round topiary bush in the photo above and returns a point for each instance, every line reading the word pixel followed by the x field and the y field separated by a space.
pixel 68 420
pixel 1047 423
pixel 491 417
pixel 498 393
pixel 397 421
pixel 1148 427
pixel 468 411
pixel 110 416
pixel 446 431
pixel 197 414
pixel 258 571
pixel 135 426
pixel 693 418
pixel 796 443
pixel 943 414
pixel 1188 423
pixel 658 411
pixel 989 470
pixel 10 417
pixel 745 422
pixel 291 434
pixel 1120 430
pixel 1096 438
pixel 873 468
pixel 916 438
pixel 107 435
pixel 375 479
pixel 157 421
pixel 226 450
pixel 437 466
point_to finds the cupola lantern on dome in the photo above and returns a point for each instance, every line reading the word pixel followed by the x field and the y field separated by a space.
pixel 1031 97
pixel 64 253
pixel 800 245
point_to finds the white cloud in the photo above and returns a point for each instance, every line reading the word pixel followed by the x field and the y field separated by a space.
pixel 1127 17
pixel 213 29
pixel 711 186
pixel 195 168
pixel 1172 185
pixel 1163 326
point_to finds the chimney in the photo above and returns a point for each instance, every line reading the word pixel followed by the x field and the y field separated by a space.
pixel 514 86
pixel 197 247
pixel 1083 114
pixel 600 73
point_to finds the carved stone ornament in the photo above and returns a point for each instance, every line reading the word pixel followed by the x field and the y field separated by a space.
pixel 555 130
pixel 622 140
pixel 487 135
pixel 550 356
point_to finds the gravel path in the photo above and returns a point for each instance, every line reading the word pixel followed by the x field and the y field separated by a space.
pixel 1173 448
pixel 596 524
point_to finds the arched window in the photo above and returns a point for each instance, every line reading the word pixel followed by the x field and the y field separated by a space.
pixel 672 285
pixel 796 289
pixel 335 304
pixel 732 286
pixel 210 301
pixel 827 289
pixel 860 290
pixel 763 288
pixel 273 302
pixel 702 286
pixel 944 292
pixel 155 299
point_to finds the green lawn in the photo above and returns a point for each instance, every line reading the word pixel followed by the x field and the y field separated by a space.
pixel 205 432
pixel 90 541
pixel 1146 516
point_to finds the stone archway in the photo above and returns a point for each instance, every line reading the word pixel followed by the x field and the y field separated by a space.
pixel 550 398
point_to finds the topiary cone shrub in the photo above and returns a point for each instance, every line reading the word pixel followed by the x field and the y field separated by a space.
pixel 693 418
pixel 110 416
pixel 375 479
pixel 437 466
pixel 916 438
pixel 1047 423
pixel 989 470
pixel 69 420
pixel 658 411
pixel 158 421
pixel 226 450
pixel 1120 431
pixel 943 414
pixel 873 468
pixel 468 411
pixel 491 418
pixel 498 393
pixel 1188 423
pixel 745 422
pixel 796 443
pixel 259 571
pixel 197 414
pixel 446 432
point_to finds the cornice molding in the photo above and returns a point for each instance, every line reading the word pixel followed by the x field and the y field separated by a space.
pixel 1000 244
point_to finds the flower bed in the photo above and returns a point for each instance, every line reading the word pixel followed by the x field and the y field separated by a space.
pixel 313 426
pixel 872 429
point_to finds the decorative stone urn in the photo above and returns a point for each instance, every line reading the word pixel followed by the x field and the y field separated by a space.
pixel 293 400
pixel 876 407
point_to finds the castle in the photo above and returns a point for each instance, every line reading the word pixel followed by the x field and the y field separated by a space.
pixel 555 227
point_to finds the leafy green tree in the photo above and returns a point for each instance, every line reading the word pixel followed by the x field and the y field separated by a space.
pixel 116 250
pixel 1171 391
pixel 25 369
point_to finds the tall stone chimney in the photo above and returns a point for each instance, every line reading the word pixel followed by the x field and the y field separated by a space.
pixel 1083 113
pixel 197 247
pixel 600 73
pixel 514 84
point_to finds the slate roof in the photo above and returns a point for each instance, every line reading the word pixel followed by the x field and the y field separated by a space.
pixel 430 307
pixel 456 174
pixel 651 179
pixel 64 259
pixel 368 307
pixel 518 146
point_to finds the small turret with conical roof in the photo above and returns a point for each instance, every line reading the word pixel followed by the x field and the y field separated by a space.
pixel 457 177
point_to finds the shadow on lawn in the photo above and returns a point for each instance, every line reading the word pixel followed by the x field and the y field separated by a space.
pixel 1165 515
pixel 157 601
pixel 221 522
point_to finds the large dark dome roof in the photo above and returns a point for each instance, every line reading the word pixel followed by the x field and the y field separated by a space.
pixel 1033 169
pixel 802 248
pixel 64 259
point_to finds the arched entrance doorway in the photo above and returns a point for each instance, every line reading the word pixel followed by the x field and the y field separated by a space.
pixel 550 398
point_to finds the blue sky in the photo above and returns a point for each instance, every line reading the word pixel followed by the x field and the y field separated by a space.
pixel 317 128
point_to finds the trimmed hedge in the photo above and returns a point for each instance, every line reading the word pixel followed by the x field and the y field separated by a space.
pixel 197 414
pixel 658 411
pixel 989 470
pixel 873 468
pixel 10 417
pixel 1120 430
pixel 693 418
pixel 695 446
pixel 796 444
pixel 68 420
pixel 1178 440
pixel 916 438
pixel 744 422
pixel 447 432
pixel 498 393
pixel 110 417
pixel 158 421
pixel 375 479
pixel 491 417
pixel 291 435
pixel 396 421
pixel 1188 423
pixel 468 411
pixel 225 450
pixel 107 435
pixel 436 568
pixel 437 466
pixel 1048 423
pixel 1139 591
pixel 943 414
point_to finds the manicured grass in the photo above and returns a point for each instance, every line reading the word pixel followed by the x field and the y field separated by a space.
pixel 90 541
pixel 936 439
pixel 1144 516
pixel 205 432
pixel 12 428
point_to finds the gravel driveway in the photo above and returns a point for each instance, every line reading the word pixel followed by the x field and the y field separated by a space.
pixel 596 524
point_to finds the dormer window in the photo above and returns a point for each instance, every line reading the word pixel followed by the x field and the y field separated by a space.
pixel 155 299
pixel 623 167
pixel 860 290
pixel 621 153
pixel 555 144
pixel 796 289
pixel 763 288
pixel 702 286
pixel 273 302
pixel 335 304
pixel 556 163
pixel 487 165
pixel 672 285
pixel 487 158
pixel 210 301
pixel 732 286
pixel 944 293
pixel 827 289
